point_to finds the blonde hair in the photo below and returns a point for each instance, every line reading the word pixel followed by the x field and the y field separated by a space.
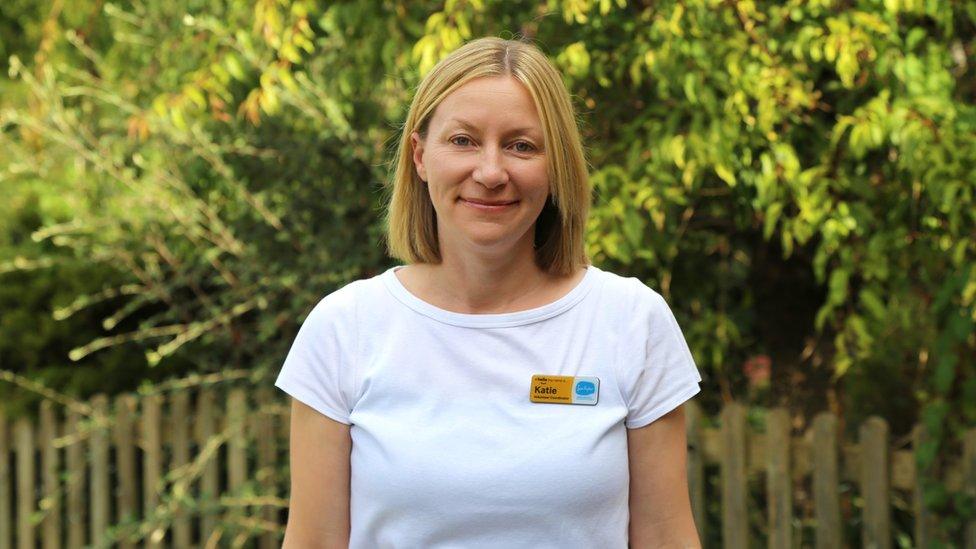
pixel 411 222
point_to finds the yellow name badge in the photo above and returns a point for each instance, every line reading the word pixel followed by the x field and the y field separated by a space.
pixel 565 389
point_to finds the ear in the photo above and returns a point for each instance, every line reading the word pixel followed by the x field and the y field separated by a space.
pixel 418 154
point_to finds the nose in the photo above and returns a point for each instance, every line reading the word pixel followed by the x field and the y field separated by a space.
pixel 491 171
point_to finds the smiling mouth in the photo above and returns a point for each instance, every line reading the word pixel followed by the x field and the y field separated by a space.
pixel 489 207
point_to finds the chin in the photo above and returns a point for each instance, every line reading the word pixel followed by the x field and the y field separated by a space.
pixel 492 239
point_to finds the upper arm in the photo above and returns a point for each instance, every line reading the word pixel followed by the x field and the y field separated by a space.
pixel 319 448
pixel 660 509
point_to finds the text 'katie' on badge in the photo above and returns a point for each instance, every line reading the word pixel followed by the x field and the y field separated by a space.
pixel 565 389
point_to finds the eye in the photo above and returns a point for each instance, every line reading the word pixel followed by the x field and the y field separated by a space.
pixel 455 138
pixel 527 144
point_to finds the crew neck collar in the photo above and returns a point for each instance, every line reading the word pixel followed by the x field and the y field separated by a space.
pixel 490 320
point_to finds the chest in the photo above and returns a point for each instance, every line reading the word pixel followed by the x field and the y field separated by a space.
pixel 445 424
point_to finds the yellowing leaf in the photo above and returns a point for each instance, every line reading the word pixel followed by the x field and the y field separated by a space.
pixel 194 94
pixel 234 67
pixel 725 174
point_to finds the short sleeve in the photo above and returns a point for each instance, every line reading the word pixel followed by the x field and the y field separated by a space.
pixel 320 368
pixel 656 370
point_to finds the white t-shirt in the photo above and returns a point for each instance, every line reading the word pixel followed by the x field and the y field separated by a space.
pixel 447 449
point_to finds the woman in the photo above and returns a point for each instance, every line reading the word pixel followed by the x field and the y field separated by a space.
pixel 498 390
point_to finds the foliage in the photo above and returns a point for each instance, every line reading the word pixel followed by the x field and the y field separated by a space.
pixel 44 279
pixel 796 178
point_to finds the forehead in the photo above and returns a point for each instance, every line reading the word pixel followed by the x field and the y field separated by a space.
pixel 501 102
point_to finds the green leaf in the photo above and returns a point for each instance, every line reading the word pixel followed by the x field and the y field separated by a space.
pixel 771 216
pixel 837 285
pixel 690 86
pixel 873 304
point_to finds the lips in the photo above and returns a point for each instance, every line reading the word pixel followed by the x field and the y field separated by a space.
pixel 488 208
pixel 489 203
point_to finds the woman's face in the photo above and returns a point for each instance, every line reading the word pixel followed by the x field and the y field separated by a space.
pixel 485 145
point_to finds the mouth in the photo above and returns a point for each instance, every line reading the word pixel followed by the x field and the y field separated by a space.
pixel 488 206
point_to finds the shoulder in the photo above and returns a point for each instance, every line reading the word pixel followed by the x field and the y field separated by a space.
pixel 359 296
pixel 631 293
pixel 341 298
pixel 337 305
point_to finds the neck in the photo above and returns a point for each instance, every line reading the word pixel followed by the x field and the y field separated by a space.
pixel 485 283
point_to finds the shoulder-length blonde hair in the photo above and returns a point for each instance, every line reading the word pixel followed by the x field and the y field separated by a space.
pixel 411 222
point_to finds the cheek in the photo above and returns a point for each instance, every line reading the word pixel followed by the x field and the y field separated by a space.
pixel 539 170
pixel 447 166
pixel 539 179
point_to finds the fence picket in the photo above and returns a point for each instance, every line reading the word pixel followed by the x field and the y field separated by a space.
pixel 179 427
pixel 51 489
pixel 266 462
pixel 75 458
pixel 874 484
pixel 919 437
pixel 826 497
pixel 236 448
pixel 735 518
pixel 126 407
pixel 778 479
pixel 99 487
pixel 24 446
pixel 152 462
pixel 208 480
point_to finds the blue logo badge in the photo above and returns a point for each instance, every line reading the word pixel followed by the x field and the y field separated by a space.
pixel 585 388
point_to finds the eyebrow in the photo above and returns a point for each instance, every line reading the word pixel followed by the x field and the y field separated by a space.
pixel 524 130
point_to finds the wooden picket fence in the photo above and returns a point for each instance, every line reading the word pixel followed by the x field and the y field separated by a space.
pixel 227 447
pixel 81 476
pixel 822 457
